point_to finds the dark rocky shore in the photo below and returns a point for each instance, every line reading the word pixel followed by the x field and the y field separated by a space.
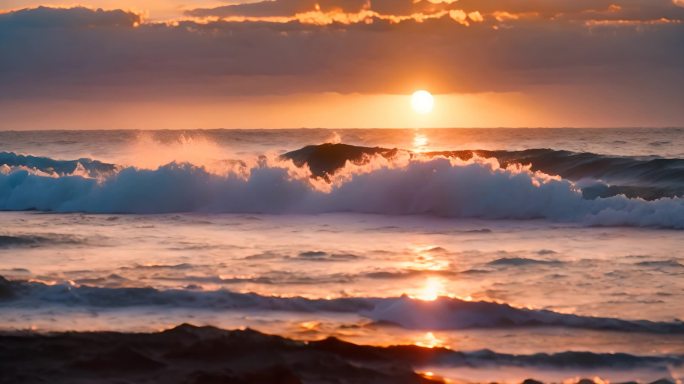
pixel 199 355
pixel 207 355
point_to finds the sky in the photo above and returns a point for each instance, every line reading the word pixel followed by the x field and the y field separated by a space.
pixel 183 64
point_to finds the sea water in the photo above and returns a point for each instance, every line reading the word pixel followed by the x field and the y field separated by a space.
pixel 142 231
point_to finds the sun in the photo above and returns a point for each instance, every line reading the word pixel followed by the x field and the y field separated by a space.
pixel 422 102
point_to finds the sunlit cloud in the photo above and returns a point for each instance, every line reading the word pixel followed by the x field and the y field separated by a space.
pixel 487 61
pixel 631 23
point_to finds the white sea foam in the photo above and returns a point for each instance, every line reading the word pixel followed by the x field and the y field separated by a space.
pixel 477 188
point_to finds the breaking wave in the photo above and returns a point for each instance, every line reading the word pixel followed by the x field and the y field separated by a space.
pixel 51 167
pixel 600 175
pixel 441 314
pixel 383 182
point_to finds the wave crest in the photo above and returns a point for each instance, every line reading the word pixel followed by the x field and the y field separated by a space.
pixel 440 186
pixel 444 313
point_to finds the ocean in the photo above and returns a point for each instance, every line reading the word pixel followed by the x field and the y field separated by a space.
pixel 533 253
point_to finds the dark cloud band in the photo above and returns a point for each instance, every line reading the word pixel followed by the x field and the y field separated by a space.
pixel 82 53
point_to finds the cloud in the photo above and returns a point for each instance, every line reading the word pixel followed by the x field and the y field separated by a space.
pixel 346 46
pixel 282 8
pixel 78 17
pixel 549 10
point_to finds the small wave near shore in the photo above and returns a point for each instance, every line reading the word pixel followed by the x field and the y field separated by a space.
pixel 444 313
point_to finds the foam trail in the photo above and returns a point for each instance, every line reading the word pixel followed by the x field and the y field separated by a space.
pixel 444 313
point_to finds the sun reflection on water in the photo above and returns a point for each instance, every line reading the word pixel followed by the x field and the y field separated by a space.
pixel 441 281
pixel 429 340
pixel 420 142
pixel 426 261
pixel 432 290
pixel 310 325
pixel 432 377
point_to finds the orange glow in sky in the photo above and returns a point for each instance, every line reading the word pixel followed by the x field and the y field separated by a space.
pixel 337 64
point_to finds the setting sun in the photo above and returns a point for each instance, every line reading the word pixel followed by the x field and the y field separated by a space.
pixel 422 102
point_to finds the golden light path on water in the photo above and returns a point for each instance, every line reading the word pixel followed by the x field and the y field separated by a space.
pixel 422 103
pixel 420 142
pixel 429 340
pixel 426 259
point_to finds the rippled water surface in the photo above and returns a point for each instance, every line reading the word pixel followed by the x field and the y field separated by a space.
pixel 141 231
